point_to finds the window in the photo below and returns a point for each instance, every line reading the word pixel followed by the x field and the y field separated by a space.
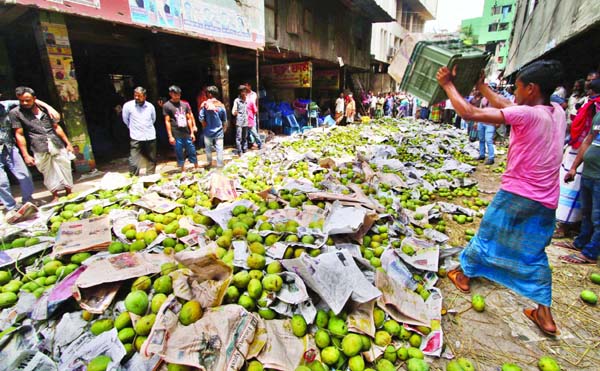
pixel 271 19
pixel 493 27
pixel 503 26
pixel 506 9
pixel 496 10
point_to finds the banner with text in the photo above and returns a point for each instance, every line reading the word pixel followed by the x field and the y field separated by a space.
pixel 289 75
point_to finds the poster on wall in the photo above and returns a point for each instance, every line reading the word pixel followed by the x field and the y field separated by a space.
pixel 288 75
pixel 233 22
pixel 161 13
pixel 226 19
pixel 58 49
pixel 326 79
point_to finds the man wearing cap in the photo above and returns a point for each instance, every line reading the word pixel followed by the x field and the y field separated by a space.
pixel 139 117
pixel 179 122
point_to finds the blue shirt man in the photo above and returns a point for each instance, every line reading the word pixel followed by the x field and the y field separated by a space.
pixel 139 117
pixel 213 117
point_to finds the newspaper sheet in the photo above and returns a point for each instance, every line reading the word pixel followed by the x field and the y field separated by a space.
pixel 335 277
pixel 11 256
pixel 222 188
pixel 219 341
pixel 77 355
pixel 156 203
pixel 83 235
pixel 426 256
pixel 283 350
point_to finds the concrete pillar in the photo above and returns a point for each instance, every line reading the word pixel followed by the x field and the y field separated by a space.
pixel 151 76
pixel 57 61
pixel 220 72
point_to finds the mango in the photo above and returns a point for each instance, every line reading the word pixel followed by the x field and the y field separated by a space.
pixel 392 327
pixel 99 363
pixel 167 268
pixel 139 342
pixel 51 267
pixel 454 366
pixel 415 340
pixel 126 335
pixel 8 299
pixel 478 303
pixel 255 366
pixel 390 353
pixel 548 364
pixel 385 365
pixel 176 367
pixel 337 327
pixel 272 282
pixel 80 257
pixel 256 261
pixel 163 284
pixel 378 317
pixel 322 339
pixel 466 364
pixel 595 278
pixel 254 288
pixel 356 363
pixel 351 345
pixel 510 367
pixel 382 338
pixel 137 302
pixel 101 326
pixel 157 302
pixel 144 324
pixel 241 279
pixel 122 321
pixel 321 319
pixel 589 297
pixel 416 364
pixel 190 312
pixel 415 353
pixel 298 325
pixel 330 355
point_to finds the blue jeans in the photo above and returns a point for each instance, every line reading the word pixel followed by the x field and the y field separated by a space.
pixel 253 134
pixel 186 144
pixel 588 239
pixel 218 144
pixel 11 159
pixel 486 137
pixel 241 139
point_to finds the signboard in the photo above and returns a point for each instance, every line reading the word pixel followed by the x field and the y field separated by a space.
pixel 326 79
pixel 289 75
pixel 231 22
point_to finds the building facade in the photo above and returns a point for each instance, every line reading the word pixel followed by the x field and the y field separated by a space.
pixel 492 31
pixel 553 29
pixel 409 17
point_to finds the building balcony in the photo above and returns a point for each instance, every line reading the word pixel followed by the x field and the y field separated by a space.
pixel 427 9
pixel 371 9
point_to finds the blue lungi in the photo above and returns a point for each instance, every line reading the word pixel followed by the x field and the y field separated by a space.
pixel 509 247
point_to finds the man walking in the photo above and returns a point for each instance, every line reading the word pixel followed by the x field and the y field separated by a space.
pixel 240 111
pixel 252 100
pixel 11 159
pixel 214 120
pixel 52 151
pixel 139 116
pixel 180 127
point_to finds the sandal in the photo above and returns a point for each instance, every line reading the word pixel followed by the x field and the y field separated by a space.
pixel 453 277
pixel 531 313
pixel 567 245
pixel 577 258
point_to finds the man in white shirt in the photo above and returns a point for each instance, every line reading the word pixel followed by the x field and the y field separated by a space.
pixel 139 116
pixel 339 108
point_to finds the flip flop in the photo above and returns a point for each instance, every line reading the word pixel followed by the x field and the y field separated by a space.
pixel 532 315
pixel 576 259
pixel 567 245
pixel 452 276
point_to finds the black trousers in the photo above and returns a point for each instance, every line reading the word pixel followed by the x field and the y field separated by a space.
pixel 139 149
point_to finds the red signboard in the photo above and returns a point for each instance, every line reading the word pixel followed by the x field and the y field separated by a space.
pixel 235 24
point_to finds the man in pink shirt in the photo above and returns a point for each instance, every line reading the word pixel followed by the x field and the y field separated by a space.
pixel 509 247
pixel 252 100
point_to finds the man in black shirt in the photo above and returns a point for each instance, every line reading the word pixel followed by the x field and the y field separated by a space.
pixel 51 148
pixel 179 122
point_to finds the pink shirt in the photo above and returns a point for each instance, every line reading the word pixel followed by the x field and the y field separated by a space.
pixel 537 137
pixel 251 99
